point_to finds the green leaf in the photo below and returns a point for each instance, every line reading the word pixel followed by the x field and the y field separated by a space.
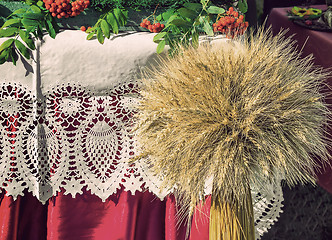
pixel 171 18
pixel 180 22
pixel 33 16
pixel 18 11
pixel 39 31
pixel 40 4
pixel 243 6
pixel 125 13
pixel 215 10
pixel 54 23
pixel 13 56
pixel 161 46
pixel 112 21
pixel 30 28
pixel 4 56
pixel 8 32
pixel 185 12
pixel 22 49
pixel 50 29
pixel 30 2
pixel 168 14
pixel 90 30
pixel 35 9
pixel 159 36
pixel 25 37
pixel 120 16
pixel 90 36
pixel 100 36
pixel 6 44
pixel 193 6
pixel 195 37
pixel 29 23
pixel 206 26
pixel 11 22
pixel 159 17
pixel 105 27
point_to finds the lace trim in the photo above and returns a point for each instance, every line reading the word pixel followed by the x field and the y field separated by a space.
pixel 71 138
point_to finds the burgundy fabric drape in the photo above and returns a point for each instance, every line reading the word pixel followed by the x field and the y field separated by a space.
pixel 122 217
pixel 320 45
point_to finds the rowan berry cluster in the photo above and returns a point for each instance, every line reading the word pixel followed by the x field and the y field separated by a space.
pixel 65 8
pixel 83 28
pixel 231 24
pixel 156 27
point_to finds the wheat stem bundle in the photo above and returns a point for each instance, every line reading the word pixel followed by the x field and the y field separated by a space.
pixel 244 113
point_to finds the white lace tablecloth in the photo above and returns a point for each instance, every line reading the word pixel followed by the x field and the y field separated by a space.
pixel 66 119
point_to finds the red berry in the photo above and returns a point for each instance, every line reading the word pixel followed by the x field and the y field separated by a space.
pixel 162 26
pixel 83 28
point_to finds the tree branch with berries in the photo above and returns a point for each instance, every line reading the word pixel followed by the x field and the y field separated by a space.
pixel 25 25
pixel 184 25
pixel 21 27
pixel 180 25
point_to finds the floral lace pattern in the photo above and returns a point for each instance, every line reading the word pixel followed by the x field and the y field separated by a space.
pixel 70 138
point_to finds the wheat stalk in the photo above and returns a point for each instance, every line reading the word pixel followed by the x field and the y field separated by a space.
pixel 241 112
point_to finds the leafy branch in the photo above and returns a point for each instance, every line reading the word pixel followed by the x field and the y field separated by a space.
pixel 184 24
pixel 21 27
pixel 108 23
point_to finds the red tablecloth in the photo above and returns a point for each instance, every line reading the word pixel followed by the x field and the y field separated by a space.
pixel 311 42
pixel 122 217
